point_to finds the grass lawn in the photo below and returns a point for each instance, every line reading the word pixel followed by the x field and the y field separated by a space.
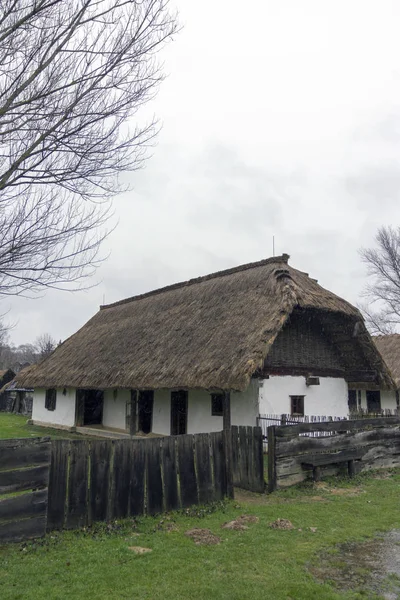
pixel 257 563
pixel 14 426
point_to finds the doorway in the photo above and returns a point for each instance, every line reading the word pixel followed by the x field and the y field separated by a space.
pixel 145 410
pixel 373 401
pixel 179 412
pixel 352 401
pixel 89 407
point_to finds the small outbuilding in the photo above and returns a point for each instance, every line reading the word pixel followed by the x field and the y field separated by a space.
pixel 194 356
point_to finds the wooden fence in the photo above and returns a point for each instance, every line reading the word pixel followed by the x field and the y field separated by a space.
pixel 24 465
pixel 99 480
pixel 377 441
pixel 247 458
pixel 92 480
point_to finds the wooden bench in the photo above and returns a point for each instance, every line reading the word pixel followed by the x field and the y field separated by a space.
pixel 316 461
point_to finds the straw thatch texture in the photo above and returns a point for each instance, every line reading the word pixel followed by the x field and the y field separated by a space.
pixel 210 332
pixel 389 347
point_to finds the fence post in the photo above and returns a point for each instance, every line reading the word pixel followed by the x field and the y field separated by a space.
pixel 271 459
pixel 283 419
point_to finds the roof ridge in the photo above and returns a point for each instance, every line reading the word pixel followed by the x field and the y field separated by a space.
pixel 273 259
pixel 386 335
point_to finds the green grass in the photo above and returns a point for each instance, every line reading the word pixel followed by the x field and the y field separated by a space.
pixel 260 563
pixel 15 426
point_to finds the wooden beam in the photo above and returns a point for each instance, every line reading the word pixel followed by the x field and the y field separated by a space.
pixel 132 420
pixel 226 410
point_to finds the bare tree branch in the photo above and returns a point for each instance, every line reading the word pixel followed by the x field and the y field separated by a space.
pixel 73 74
pixel 382 307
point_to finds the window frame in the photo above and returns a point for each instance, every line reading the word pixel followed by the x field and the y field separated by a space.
pixel 50 401
pixel 294 399
pixel 215 411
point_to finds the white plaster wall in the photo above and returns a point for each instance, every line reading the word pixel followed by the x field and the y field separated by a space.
pixel 330 398
pixel 162 412
pixel 200 419
pixel 388 399
pixel 244 405
pixel 114 408
pixel 64 414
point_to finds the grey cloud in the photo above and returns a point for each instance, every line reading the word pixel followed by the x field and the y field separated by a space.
pixel 375 187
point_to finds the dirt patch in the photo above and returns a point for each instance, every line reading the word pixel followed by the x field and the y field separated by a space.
pixel 203 537
pixel 248 519
pixel 235 525
pixel 239 524
pixel 282 524
pixel 368 567
pixel 167 525
pixel 139 549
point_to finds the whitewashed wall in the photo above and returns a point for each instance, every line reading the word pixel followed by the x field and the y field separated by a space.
pixel 330 398
pixel 114 408
pixel 162 412
pixel 63 415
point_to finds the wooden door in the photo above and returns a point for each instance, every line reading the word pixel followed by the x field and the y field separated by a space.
pixel 179 412
pixel 352 401
pixel 373 401
pixel 145 410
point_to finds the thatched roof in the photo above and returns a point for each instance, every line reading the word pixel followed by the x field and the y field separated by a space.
pixel 12 385
pixel 212 332
pixel 389 347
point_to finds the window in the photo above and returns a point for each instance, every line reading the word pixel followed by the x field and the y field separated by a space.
pixel 217 409
pixel 50 402
pixel 297 405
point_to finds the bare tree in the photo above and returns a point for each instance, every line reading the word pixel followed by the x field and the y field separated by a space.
pixel 45 345
pixel 73 73
pixel 382 310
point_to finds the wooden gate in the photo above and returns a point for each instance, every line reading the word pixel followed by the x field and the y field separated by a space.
pixel 24 467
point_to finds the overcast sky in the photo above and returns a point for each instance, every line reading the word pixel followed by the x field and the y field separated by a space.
pixel 280 118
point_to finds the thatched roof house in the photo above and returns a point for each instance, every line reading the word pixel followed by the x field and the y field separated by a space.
pixel 389 347
pixel 213 332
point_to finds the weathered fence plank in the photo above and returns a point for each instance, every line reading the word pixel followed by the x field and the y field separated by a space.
pixel 258 481
pixel 203 468
pixel 77 504
pixel 303 445
pixel 154 487
pixel 23 479
pixel 17 531
pixel 27 505
pixel 121 479
pixel 218 463
pixel 337 426
pixel 21 456
pixel 186 469
pixel 170 473
pixel 100 459
pixel 137 479
pixel 57 484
